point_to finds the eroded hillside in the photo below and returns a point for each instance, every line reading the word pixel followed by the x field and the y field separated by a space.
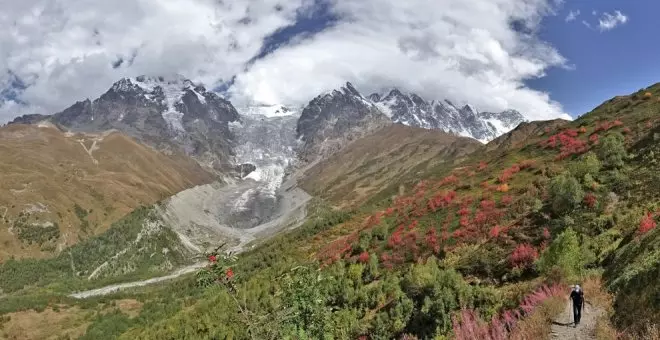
pixel 58 188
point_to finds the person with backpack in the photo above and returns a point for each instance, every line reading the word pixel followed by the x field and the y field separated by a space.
pixel 577 296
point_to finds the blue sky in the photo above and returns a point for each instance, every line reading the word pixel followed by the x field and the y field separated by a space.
pixel 614 62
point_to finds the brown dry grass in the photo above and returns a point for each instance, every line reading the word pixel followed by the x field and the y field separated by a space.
pixel 63 322
pixel 370 164
pixel 129 307
pixel 596 294
pixel 604 329
pixel 42 165
pixel 599 297
pixel 538 325
pixel 48 324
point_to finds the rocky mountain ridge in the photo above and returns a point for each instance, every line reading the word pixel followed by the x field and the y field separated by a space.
pixel 174 113
pixel 332 120
pixel 166 112
pixel 467 121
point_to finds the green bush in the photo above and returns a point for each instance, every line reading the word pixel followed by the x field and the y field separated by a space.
pixel 587 164
pixel 612 151
pixel 566 194
pixel 563 256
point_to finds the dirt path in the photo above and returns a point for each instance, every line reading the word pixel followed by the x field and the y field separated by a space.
pixel 562 326
pixel 120 286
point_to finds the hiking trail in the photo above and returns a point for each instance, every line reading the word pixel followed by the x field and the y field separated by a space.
pixel 562 326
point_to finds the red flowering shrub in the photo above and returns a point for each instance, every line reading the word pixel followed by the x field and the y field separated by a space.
pixel 213 259
pixel 431 240
pixel 495 231
pixel 487 204
pixel 508 173
pixel 396 239
pixel 646 224
pixel 482 166
pixel 451 179
pixel 229 274
pixel 546 233
pixel 363 257
pixel 337 249
pixel 373 220
pixel 523 256
pixel 604 126
pixel 467 325
pixel 568 142
pixel 590 200
pixel 464 211
pixel 593 139
pixel 572 146
pixel 464 221
pixel 506 200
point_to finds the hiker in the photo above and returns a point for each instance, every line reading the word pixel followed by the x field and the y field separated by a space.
pixel 577 296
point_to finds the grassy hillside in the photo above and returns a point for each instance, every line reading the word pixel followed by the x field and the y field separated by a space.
pixel 367 165
pixel 59 188
pixel 135 247
pixel 486 245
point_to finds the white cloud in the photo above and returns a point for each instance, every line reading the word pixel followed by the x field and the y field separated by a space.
pixel 466 51
pixel 609 21
pixel 572 15
pixel 65 49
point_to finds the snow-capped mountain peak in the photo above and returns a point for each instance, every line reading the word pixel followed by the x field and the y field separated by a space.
pixel 164 90
pixel 413 110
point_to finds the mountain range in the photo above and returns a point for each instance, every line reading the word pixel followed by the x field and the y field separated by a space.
pixel 169 113
pixel 174 113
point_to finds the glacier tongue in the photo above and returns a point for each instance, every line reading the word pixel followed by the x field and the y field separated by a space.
pixel 269 144
pixel 269 110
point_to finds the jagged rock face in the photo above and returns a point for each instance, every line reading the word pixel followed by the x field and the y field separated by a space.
pixel 331 120
pixel 168 113
pixel 412 110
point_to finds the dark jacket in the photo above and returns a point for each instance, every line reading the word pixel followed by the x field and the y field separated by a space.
pixel 577 297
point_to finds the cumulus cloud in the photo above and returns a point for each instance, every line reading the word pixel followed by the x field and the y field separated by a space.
pixel 72 49
pixel 610 21
pixel 572 15
pixel 477 52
